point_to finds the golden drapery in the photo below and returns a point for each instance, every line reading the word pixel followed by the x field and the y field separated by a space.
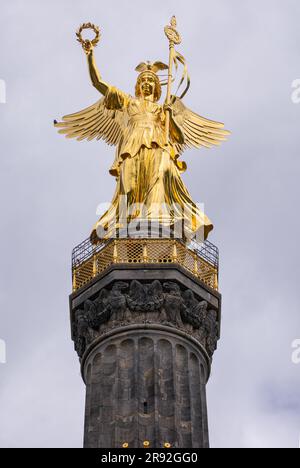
pixel 147 173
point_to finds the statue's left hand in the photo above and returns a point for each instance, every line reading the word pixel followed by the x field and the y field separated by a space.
pixel 168 108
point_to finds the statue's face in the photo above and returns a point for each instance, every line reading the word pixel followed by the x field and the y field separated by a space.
pixel 147 85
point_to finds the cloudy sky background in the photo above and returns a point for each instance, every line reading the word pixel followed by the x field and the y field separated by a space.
pixel 243 58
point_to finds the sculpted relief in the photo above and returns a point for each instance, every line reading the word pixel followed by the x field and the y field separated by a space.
pixel 136 303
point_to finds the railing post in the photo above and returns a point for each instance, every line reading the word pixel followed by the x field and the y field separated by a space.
pixel 74 280
pixel 115 254
pixel 216 281
pixel 95 271
pixel 175 253
pixel 145 253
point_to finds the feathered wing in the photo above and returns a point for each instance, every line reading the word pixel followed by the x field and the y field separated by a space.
pixel 198 131
pixel 93 122
pixel 137 291
pixel 155 289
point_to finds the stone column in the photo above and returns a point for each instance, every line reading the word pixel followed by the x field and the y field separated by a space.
pixel 145 339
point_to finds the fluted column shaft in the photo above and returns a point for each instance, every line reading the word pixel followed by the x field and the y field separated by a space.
pixel 146 385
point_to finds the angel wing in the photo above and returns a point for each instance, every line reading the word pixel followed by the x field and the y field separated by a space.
pixel 155 67
pixel 102 300
pixel 93 122
pixel 137 292
pixel 155 290
pixel 198 131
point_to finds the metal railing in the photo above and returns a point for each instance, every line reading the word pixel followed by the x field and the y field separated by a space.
pixel 89 260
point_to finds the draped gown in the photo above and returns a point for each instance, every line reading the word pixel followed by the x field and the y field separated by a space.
pixel 148 174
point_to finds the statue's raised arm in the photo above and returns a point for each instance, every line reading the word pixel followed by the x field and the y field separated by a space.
pixel 96 79
pixel 106 118
pixel 88 47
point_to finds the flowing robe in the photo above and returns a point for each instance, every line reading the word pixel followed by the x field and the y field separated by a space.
pixel 149 184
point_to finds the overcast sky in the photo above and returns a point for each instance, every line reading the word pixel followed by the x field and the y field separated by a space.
pixel 243 58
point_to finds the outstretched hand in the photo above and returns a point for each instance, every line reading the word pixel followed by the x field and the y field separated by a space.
pixel 87 46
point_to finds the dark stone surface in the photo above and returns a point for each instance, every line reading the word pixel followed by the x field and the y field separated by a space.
pixel 136 302
pixel 145 346
pixel 146 385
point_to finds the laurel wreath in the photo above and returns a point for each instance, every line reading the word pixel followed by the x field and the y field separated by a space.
pixel 88 26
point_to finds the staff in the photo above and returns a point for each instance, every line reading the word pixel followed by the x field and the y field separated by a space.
pixel 174 38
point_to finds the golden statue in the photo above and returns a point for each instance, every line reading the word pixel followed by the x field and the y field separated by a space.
pixel 150 138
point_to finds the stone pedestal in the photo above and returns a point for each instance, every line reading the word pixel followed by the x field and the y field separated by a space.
pixel 145 336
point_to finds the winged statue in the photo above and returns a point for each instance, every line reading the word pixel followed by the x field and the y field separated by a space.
pixel 150 138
